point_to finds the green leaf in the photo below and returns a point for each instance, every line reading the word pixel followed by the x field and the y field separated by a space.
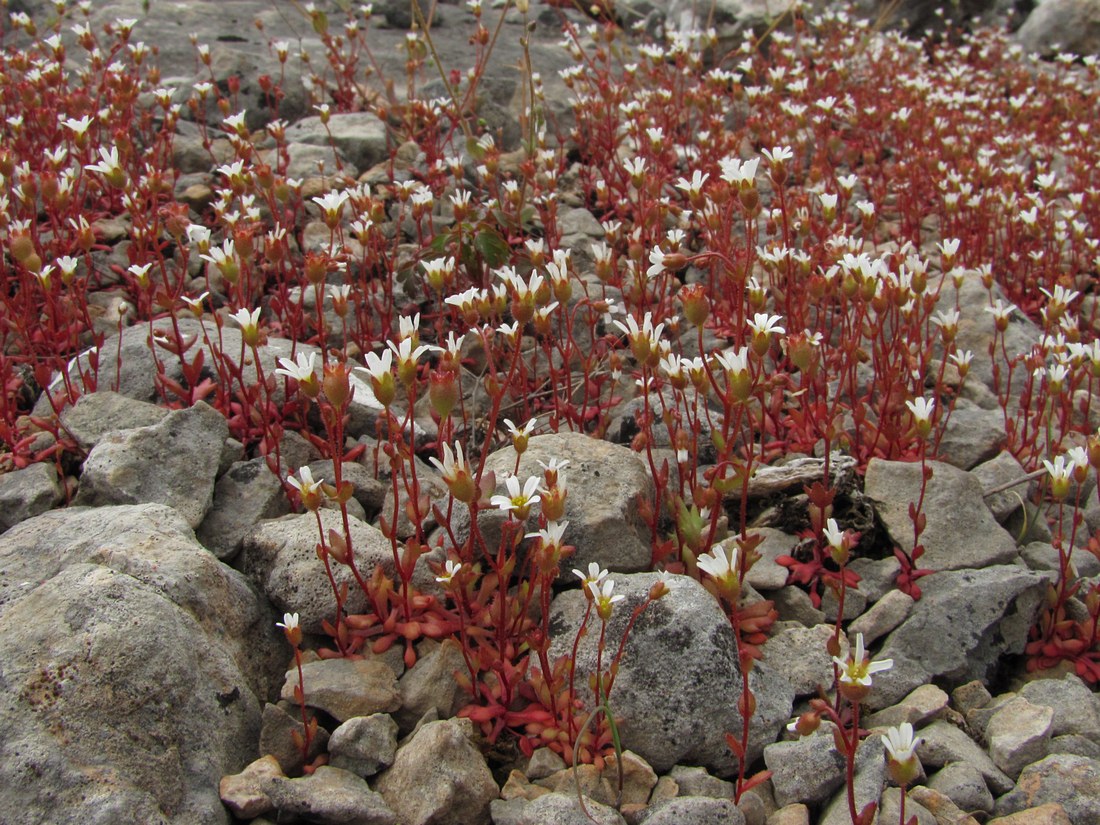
pixel 493 248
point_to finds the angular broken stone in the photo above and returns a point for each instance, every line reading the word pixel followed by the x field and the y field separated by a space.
pixel 960 531
pixel 173 462
pixel 329 796
pixel 1019 734
pixel 346 688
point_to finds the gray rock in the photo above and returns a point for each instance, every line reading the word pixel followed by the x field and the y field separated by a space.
pixel 173 463
pixel 1073 781
pixel 278 727
pixel 806 770
pixel 1062 27
pixel 683 643
pixel 116 705
pixel 994 474
pixel 306 161
pixel 440 778
pixel 971 696
pixel 694 781
pixel 964 785
pixel 329 796
pixel 883 616
pixel 800 654
pixel 944 743
pixel 553 809
pixel 361 136
pixel 890 809
pixel 1075 744
pixel 1042 555
pixel 978 718
pixel 976 329
pixel 854 604
pixel 959 630
pixel 924 703
pixel 242 792
pixel 972 435
pixel 1019 734
pixel 138 370
pixel 793 605
pixel 791 815
pixel 346 688
pixel 579 222
pixel 364 745
pixel 152 544
pixel 960 532
pixel 606 484
pixel 246 495
pixel 430 685
pixel 766 574
pixel 98 413
pixel 369 491
pixel 876 576
pixel 280 557
pixel 27 493
pixel 1076 708
pixel 694 810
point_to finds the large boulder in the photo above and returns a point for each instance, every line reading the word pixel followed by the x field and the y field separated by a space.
pixel 960 629
pixel 960 531
pixel 133 666
pixel 679 682
pixel 154 545
pixel 1062 26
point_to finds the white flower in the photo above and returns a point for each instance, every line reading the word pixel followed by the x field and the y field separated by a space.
pixel 722 564
pixel 778 155
pixel 515 432
pixel 858 667
pixel 900 742
pixel 603 598
pixel 300 370
pixel 833 534
pixel 551 535
pixel 305 483
pixel 449 571
pixel 921 408
pixel 248 321
pixel 289 622
pixel 595 574
pixel 656 261
pixel 764 324
pixel 517 500
pixel 694 186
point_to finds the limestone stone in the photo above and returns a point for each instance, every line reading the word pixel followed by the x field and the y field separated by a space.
pixel 1073 781
pixel 346 688
pixel 329 796
pixel 960 532
pixel 173 462
pixel 440 778
pixel 364 745
pixel 28 492
pixel 242 792
pixel 964 785
pixel 959 630
pixel 1019 734
pixel 805 770
pixel 684 643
